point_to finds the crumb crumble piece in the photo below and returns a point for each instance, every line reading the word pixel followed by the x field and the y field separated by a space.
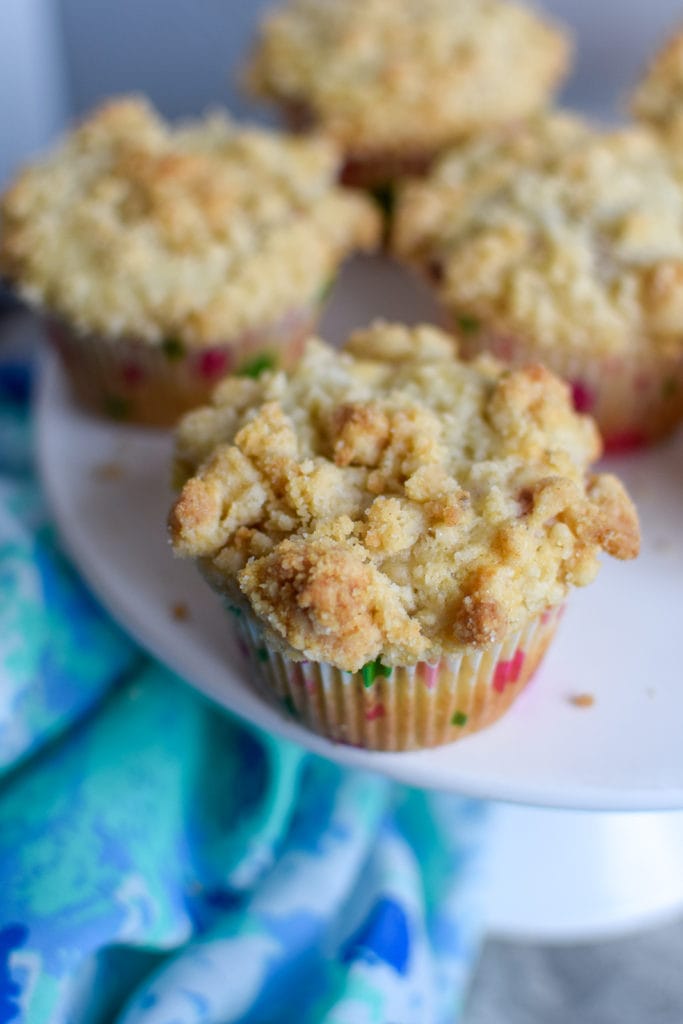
pixel 582 700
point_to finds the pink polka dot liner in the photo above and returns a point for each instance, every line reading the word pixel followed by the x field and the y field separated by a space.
pixel 138 382
pixel 405 708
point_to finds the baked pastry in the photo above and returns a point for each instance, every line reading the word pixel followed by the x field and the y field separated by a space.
pixel 562 243
pixel 165 257
pixel 658 99
pixel 395 81
pixel 395 530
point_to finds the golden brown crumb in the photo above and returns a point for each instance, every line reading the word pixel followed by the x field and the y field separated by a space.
pixel 180 612
pixel 359 434
pixel 328 600
pixel 479 615
pixel 393 506
pixel 582 700
pixel 615 526
pixel 196 233
pixel 386 74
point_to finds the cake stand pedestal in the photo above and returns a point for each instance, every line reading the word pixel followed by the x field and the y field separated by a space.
pixel 576 876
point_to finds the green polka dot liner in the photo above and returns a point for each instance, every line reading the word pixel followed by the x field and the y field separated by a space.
pixel 133 381
pixel 383 707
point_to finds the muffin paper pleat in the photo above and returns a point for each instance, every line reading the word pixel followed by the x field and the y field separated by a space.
pixel 137 382
pixel 403 708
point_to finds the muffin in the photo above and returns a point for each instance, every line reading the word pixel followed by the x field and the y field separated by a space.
pixel 563 244
pixel 395 81
pixel 658 99
pixel 394 530
pixel 162 258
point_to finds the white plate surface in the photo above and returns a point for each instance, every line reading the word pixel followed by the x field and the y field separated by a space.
pixel 618 641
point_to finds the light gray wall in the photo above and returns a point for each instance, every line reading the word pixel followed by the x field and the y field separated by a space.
pixel 33 99
pixel 183 53
pixel 615 38
pixel 59 55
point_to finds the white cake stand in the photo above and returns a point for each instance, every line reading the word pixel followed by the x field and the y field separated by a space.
pixel 577 873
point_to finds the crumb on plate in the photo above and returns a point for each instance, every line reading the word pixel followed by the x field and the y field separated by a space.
pixel 582 700
pixel 180 612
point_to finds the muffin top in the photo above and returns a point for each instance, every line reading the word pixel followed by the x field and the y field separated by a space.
pixel 135 228
pixel 386 74
pixel 658 99
pixel 558 232
pixel 394 501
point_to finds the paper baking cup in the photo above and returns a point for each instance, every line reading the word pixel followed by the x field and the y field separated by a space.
pixel 635 398
pixel 368 168
pixel 379 708
pixel 138 382
pixel 380 174
pixel 372 169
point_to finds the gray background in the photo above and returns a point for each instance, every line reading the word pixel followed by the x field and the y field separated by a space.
pixel 635 980
pixel 61 56
pixel 186 65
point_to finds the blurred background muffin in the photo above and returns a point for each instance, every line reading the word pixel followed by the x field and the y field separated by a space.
pixel 395 81
pixel 563 243
pixel 164 257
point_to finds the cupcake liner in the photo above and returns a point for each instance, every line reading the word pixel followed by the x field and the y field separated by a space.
pixel 368 169
pixel 372 170
pixel 138 382
pixel 380 173
pixel 635 398
pixel 381 708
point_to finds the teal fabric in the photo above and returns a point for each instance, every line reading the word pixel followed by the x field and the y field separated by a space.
pixel 162 863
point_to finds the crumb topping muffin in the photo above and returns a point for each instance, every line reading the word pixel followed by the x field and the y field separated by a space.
pixel 658 99
pixel 134 228
pixel 386 74
pixel 560 233
pixel 393 501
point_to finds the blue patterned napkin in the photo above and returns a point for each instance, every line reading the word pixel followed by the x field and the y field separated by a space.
pixel 162 863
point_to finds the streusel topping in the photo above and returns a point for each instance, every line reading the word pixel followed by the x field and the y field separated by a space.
pixel 559 233
pixel 135 228
pixel 658 99
pixel 394 501
pixel 382 74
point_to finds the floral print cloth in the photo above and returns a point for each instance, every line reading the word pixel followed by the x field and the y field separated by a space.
pixel 163 863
